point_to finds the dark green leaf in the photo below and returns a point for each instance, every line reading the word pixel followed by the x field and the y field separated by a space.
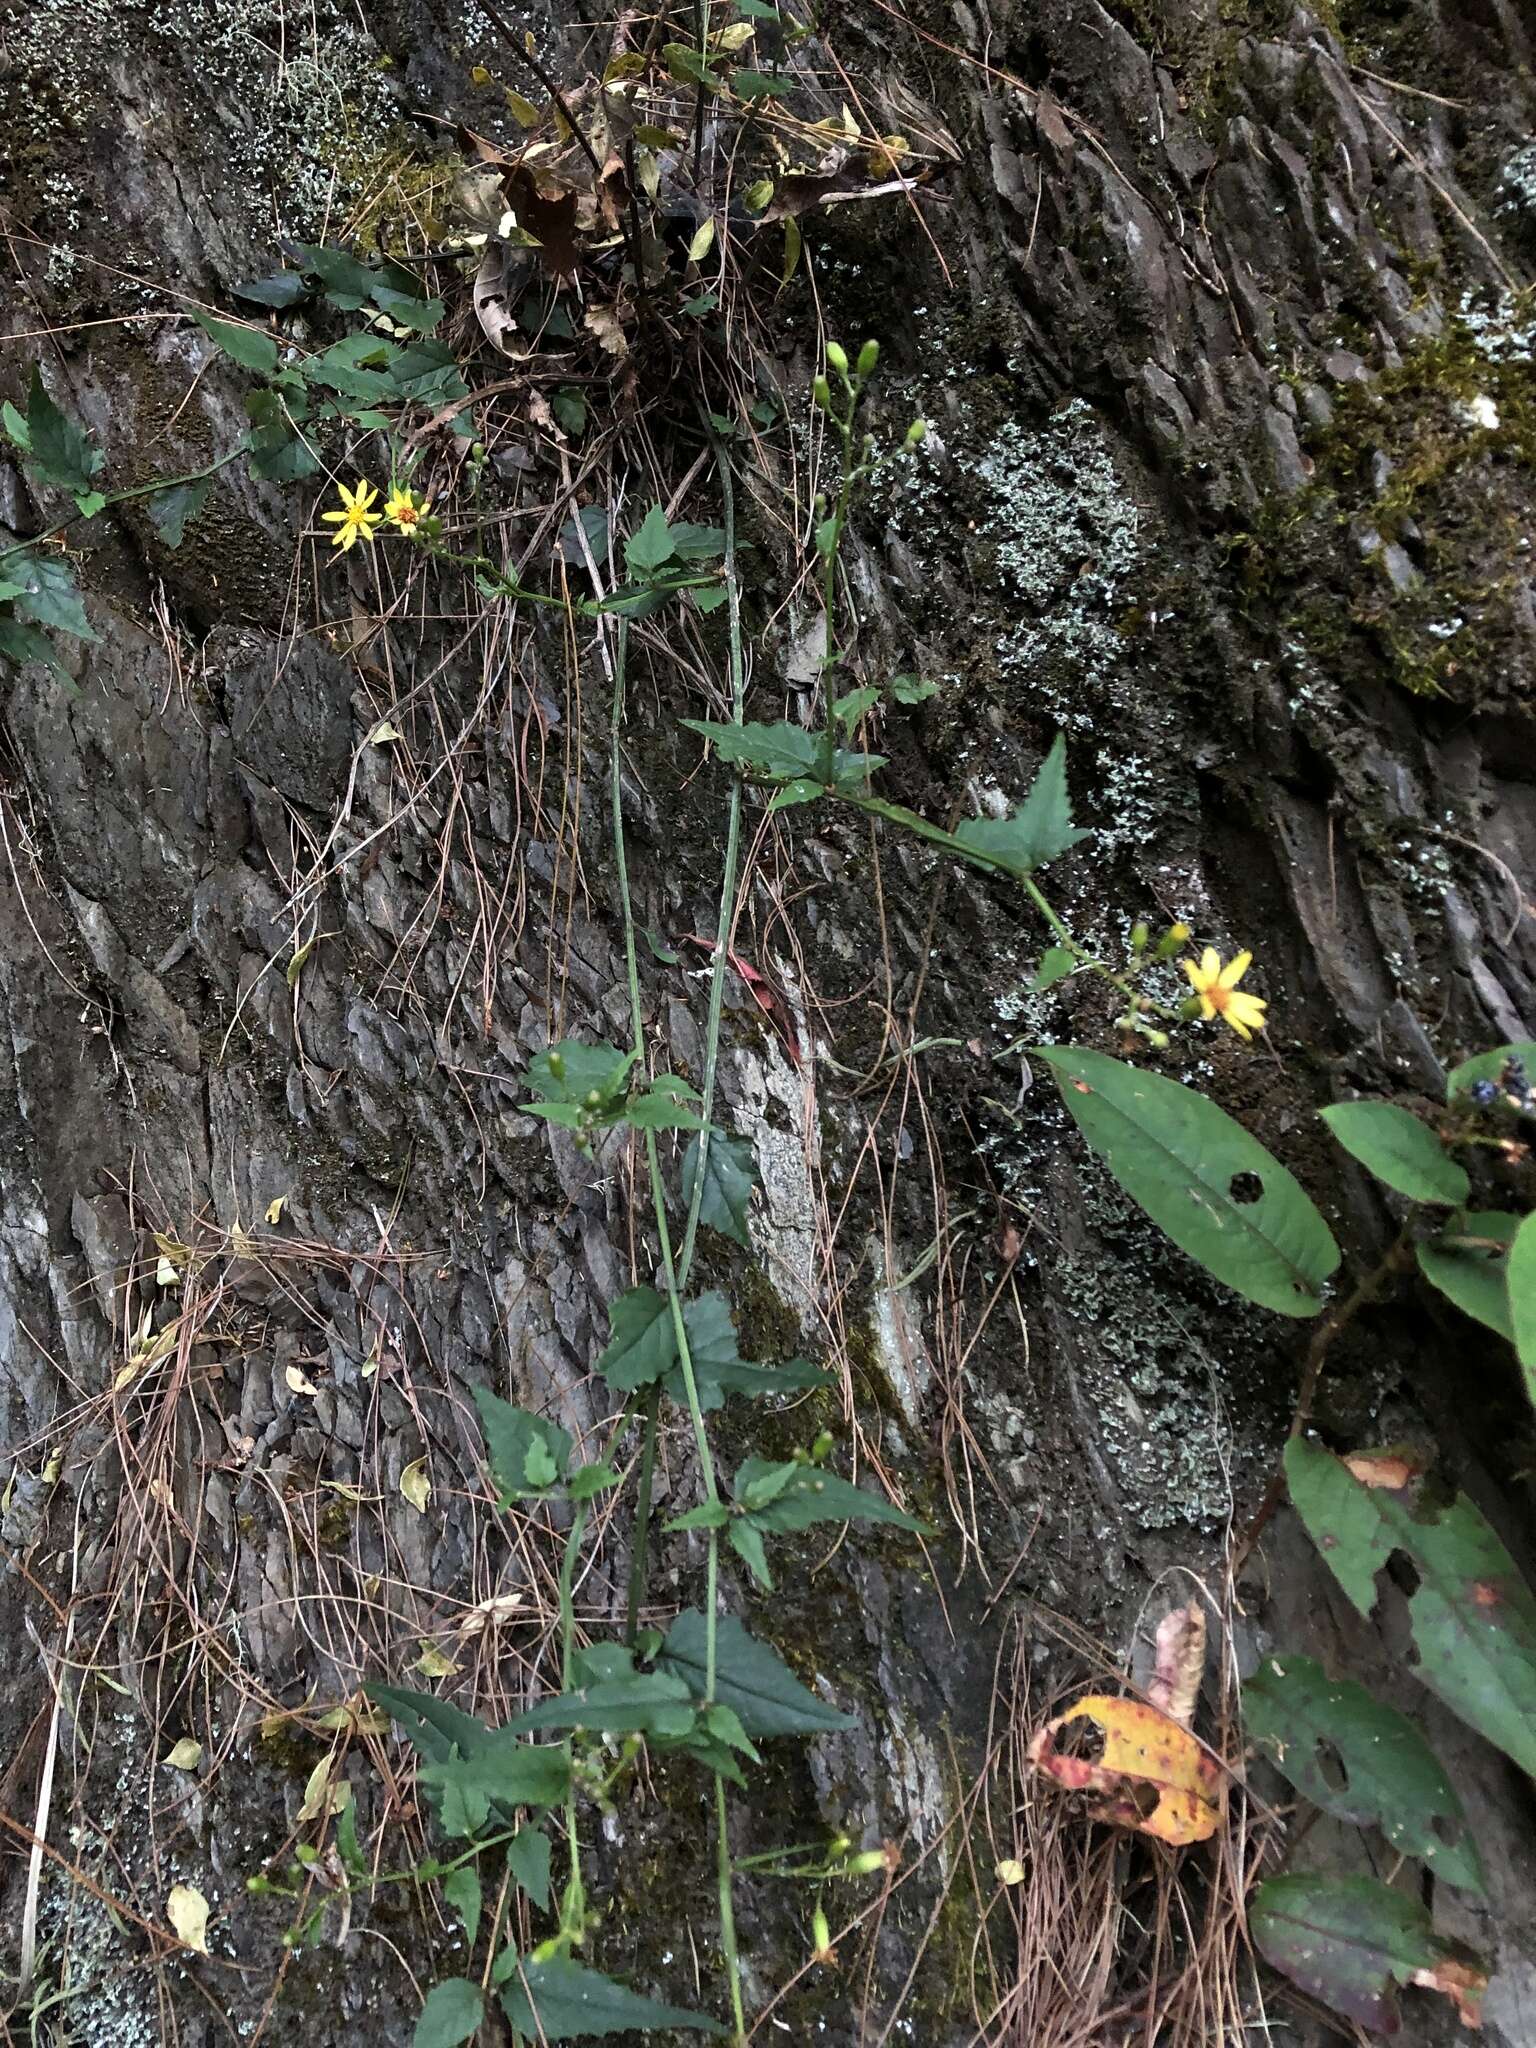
pixel 510 1434
pixel 285 289
pixel 658 1109
pixel 251 347
pixel 58 450
pixel 805 1496
pixel 913 689
pixel 20 643
pixel 572 1071
pixel 436 1728
pixel 642 1346
pixel 694 543
pixel 773 750
pixel 1192 1168
pixel 756 85
pixel 590 1480
pixel 1489 1066
pixel 406 310
pixel 1520 1279
pixel 461 1889
pixel 501 1774
pixel 49 595
pixel 570 409
pixel 1398 1149
pixel 614 1698
pixel 751 1679
pixel 800 791
pixel 528 1861
pixel 746 1539
pixel 1467 1263
pixel 558 2000
pixel 647 550
pixel 689 65
pixel 1472 1615
pixel 451 2015
pixel 1376 1770
pixel 171 509
pixel 1348 1941
pixel 1039 830
pixel 719 1369
pixel 730 1174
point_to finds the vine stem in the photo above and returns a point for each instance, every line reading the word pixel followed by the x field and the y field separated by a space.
pixel 573 1906
pixel 162 483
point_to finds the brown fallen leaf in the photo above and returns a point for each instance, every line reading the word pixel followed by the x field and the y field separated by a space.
pixel 1151 1775
pixel 1464 1984
pixel 1180 1663
pixel 1391 1467
pixel 548 213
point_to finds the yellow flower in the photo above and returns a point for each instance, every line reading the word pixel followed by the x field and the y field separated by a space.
pixel 355 518
pixel 403 510
pixel 1219 994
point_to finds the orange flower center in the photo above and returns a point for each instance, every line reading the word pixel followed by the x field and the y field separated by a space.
pixel 407 515
pixel 1218 997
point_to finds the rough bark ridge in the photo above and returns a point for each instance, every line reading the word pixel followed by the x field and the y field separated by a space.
pixel 1232 382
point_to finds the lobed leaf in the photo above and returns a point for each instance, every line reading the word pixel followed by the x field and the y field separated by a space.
pixel 1038 831
pixel 730 1174
pixel 520 1445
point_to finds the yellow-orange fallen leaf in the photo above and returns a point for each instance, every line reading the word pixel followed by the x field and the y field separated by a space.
pixel 1150 1774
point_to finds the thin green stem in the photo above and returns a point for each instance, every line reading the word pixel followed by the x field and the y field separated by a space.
pixel 163 483
pixel 573 1907
pixel 724 1874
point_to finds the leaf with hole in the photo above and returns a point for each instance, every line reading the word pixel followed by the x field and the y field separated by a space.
pixel 451 2015
pixel 1520 1279
pixel 1489 1066
pixel 751 1679
pixel 520 1444
pixel 1360 1760
pixel 1350 1942
pixel 1467 1262
pixel 1038 831
pixel 1472 1616
pixel 729 1176
pixel 558 2000
pixel 1190 1167
pixel 1149 1774
pixel 1393 1145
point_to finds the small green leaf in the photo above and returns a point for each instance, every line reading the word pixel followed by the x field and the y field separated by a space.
pixel 913 689
pixel 590 1480
pixel 648 549
pixel 49 595
pixel 571 1071
pixel 757 85
pixel 1520 1278
pixel 251 347
pixel 461 1889
pixel 1193 1170
pixel 751 1679
pixel 58 450
pixel 1398 1149
pixel 800 791
pixel 500 1775
pixel 1056 963
pixel 1472 1615
pixel 558 2000
pixel 1039 830
pixel 689 66
pixel 746 1539
pixel 730 1174
pixel 615 1699
pixel 780 750
pixel 451 2015
pixel 799 1496
pixel 15 426
pixel 283 290
pixel 659 1110
pixel 510 1433
pixel 642 1346
pixel 1489 1066
pixel 20 643
pixel 1348 1941
pixel 848 710
pixel 170 510
pixel 539 1468
pixel 570 409
pixel 528 1861
pixel 1381 1772
pixel 1467 1263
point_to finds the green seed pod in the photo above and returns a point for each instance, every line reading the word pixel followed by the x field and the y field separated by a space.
pixel 1139 937
pixel 592 1099
pixel 868 1860
pixel 1176 935
pixel 1190 1008
pixel 1159 1039
pixel 869 355
pixel 557 1065
pixel 837 357
pixel 821 1933
pixel 821 391
pixel 918 431
pixel 821 1447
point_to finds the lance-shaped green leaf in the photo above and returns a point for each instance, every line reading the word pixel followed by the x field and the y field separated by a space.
pixel 1520 1278
pixel 1038 831
pixel 251 347
pixel 1351 1941
pixel 1489 1066
pixel 1214 1189
pixel 1399 1150
pixel 1472 1615
pixel 611 1696
pixel 730 1174
pixel 451 2015
pixel 527 1453
pixel 1360 1760
pixel 558 2000
pixel 753 1680
pixel 1467 1263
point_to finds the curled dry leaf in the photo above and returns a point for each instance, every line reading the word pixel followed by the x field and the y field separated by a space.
pixel 1465 1984
pixel 1390 1467
pixel 416 1486
pixel 1150 1774
pixel 1180 1663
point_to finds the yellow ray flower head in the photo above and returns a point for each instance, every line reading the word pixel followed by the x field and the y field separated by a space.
pixel 1219 994
pixel 404 510
pixel 355 518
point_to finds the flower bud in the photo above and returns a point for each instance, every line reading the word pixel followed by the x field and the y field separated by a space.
pixel 1190 1007
pixel 592 1099
pixel 1159 1039
pixel 837 357
pixel 557 1065
pixel 1176 935
pixel 821 1935
pixel 821 391
pixel 1139 937
pixel 918 431
pixel 821 1446
pixel 866 1861
pixel 869 355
